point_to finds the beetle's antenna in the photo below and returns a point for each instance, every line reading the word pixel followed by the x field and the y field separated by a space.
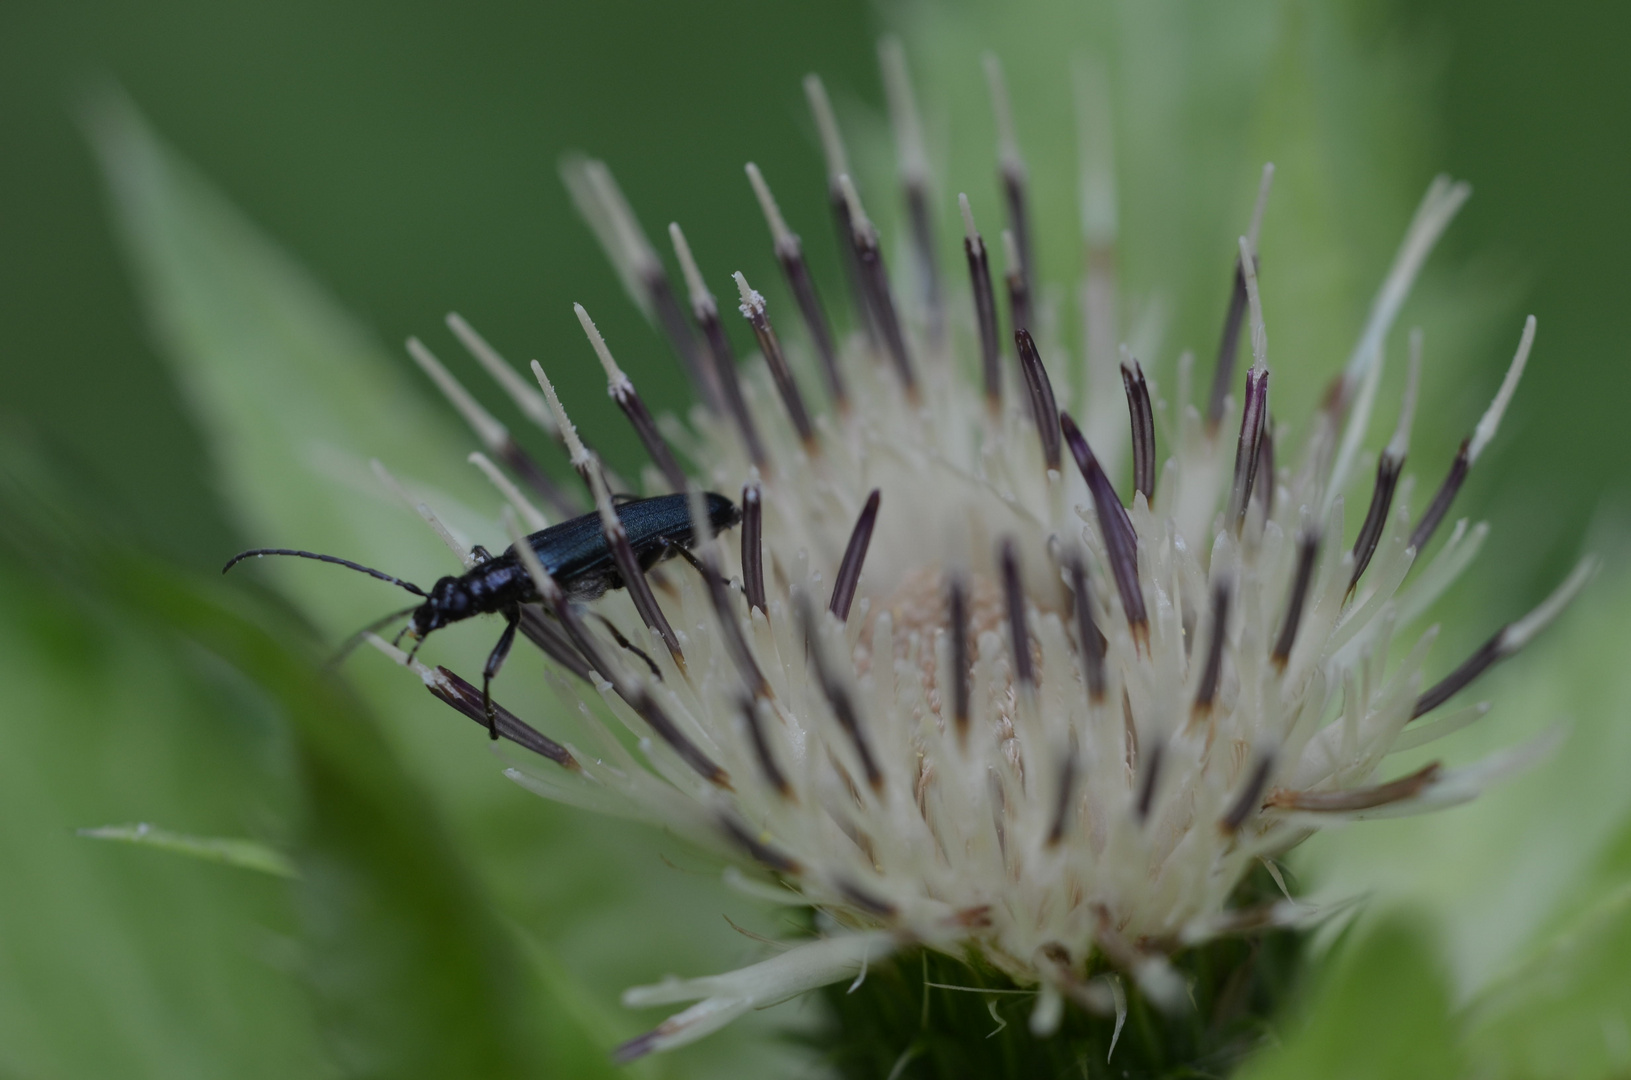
pixel 255 553
pixel 356 639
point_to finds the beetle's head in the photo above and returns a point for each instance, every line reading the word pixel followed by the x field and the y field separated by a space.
pixel 448 602
pixel 722 513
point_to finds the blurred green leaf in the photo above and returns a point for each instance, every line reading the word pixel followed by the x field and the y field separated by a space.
pixel 1567 1012
pixel 244 854
pixel 1565 1009
pixel 1381 1008
pixel 409 970
pixel 412 972
pixel 294 396
pixel 117 962
pixel 1498 874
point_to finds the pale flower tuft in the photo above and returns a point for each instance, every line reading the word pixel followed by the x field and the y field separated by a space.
pixel 946 683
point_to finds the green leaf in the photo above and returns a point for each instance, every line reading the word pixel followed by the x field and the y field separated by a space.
pixel 1563 1010
pixel 1567 1012
pixel 411 969
pixel 1498 874
pixel 295 397
pixel 245 854
pixel 1380 1008
pixel 114 962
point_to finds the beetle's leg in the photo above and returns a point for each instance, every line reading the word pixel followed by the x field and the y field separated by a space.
pixel 670 549
pixel 378 624
pixel 480 554
pixel 495 660
pixel 625 643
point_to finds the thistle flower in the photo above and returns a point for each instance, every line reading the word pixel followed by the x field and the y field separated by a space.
pixel 947 685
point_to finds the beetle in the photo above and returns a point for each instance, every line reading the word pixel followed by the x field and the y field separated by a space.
pixel 575 553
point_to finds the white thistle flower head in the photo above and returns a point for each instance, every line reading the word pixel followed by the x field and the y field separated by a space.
pixel 944 683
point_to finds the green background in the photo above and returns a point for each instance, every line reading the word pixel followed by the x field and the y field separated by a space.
pixel 404 154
